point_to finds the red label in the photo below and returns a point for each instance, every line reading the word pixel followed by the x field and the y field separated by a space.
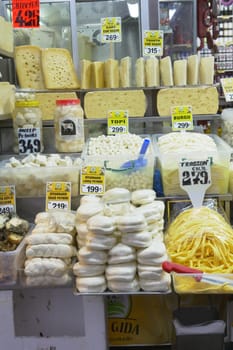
pixel 26 13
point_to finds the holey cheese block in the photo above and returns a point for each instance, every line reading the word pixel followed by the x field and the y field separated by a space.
pixel 202 99
pixel 98 103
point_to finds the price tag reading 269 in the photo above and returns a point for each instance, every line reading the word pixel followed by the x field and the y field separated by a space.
pixel 92 180
pixel 118 122
pixel 111 30
pixel 182 118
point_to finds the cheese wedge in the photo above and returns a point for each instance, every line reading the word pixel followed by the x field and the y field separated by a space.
pixel 111 73
pixel 28 67
pixel 7 100
pixel 204 99
pixel 6 39
pixel 192 70
pixel 58 69
pixel 180 72
pixel 97 69
pixel 152 72
pixel 206 70
pixel 140 78
pixel 125 72
pixel 85 74
pixel 166 74
pixel 98 103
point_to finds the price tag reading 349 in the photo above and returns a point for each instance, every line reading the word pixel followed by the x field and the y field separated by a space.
pixel 182 118
pixel 153 43
pixel 195 179
pixel 111 30
pixel 92 180
pixel 7 199
pixel 118 122
pixel 227 86
pixel 29 140
pixel 58 195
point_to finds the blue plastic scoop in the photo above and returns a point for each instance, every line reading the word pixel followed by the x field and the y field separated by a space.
pixel 141 161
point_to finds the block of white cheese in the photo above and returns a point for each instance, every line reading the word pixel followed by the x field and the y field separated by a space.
pixel 111 73
pixel 192 70
pixel 6 39
pixel 125 72
pixel 202 99
pixel 58 69
pixel 140 76
pixel 152 72
pixel 166 72
pixel 98 103
pixel 85 74
pixel 28 67
pixel 206 70
pixel 180 72
pixel 7 100
pixel 97 74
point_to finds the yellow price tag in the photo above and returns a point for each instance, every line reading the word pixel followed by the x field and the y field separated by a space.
pixel 92 180
pixel 111 29
pixel 227 86
pixel 182 118
pixel 7 199
pixel 118 122
pixel 153 43
pixel 58 195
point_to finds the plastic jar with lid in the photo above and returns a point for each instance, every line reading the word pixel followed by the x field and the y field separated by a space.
pixel 69 126
pixel 27 124
pixel 227 125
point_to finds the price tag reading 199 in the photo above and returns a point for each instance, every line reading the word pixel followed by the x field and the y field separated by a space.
pixel 92 180
pixel 153 43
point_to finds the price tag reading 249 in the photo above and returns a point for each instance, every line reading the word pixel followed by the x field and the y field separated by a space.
pixel 92 180
pixel 111 30
pixel 58 195
pixel 182 118
pixel 153 43
pixel 118 122
pixel 7 200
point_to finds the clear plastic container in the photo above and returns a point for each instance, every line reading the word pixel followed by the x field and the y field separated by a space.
pixel 27 124
pixel 227 125
pixel 69 126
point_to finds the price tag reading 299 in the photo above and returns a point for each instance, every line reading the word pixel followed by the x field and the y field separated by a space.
pixel 182 118
pixel 118 122
pixel 92 180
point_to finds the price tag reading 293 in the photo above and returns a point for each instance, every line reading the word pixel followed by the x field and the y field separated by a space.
pixel 92 180
pixel 118 122
pixel 182 118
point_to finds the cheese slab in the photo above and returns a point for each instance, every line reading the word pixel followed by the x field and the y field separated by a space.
pixel 140 77
pixel 152 72
pixel 98 103
pixel 97 69
pixel 111 73
pixel 206 70
pixel 203 99
pixel 125 72
pixel 47 102
pixel 58 69
pixel 28 67
pixel 6 40
pixel 192 70
pixel 7 100
pixel 85 74
pixel 180 72
pixel 166 72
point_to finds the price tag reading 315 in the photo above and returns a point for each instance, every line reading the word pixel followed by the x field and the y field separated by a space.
pixel 92 180
pixel 195 179
pixel 153 43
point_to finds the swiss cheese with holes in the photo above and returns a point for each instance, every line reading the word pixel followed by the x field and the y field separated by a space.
pixel 98 103
pixel 58 69
pixel 202 99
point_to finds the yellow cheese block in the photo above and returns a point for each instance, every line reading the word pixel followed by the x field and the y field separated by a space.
pixel 111 73
pixel 152 72
pixel 180 72
pixel 6 37
pixel 125 72
pixel 58 69
pixel 203 99
pixel 192 70
pixel 206 70
pixel 28 67
pixel 85 74
pixel 97 69
pixel 98 103
pixel 47 102
pixel 140 76
pixel 166 73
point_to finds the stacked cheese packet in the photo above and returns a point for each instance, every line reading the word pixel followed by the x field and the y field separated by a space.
pixel 120 240
pixel 50 249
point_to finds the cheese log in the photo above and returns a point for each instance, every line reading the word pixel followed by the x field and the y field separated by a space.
pixel 47 102
pixel 6 39
pixel 204 99
pixel 28 67
pixel 152 72
pixel 111 73
pixel 125 72
pixel 192 70
pixel 206 70
pixel 98 103
pixel 166 74
pixel 180 72
pixel 85 74
pixel 140 72
pixel 58 69
pixel 97 69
